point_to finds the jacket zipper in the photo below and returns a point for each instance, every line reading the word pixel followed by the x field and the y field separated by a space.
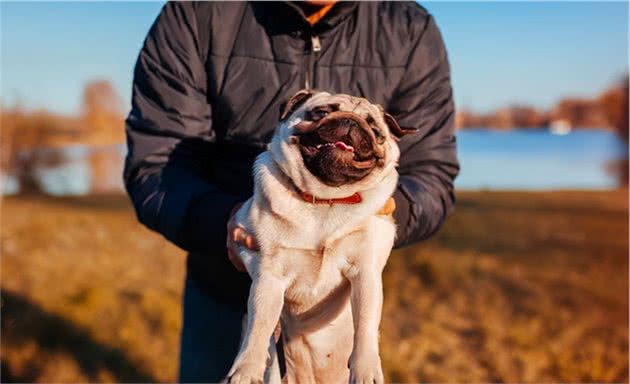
pixel 309 78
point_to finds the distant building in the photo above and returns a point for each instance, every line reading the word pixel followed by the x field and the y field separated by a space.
pixel 560 127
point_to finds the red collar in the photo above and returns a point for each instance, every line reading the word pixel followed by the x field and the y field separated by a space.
pixel 353 199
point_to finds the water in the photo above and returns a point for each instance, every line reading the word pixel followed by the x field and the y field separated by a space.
pixel 520 159
pixel 67 175
pixel 72 170
pixel 537 159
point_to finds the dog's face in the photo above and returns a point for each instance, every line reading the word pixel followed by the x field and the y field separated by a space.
pixel 335 145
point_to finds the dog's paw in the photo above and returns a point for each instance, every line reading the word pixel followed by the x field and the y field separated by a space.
pixel 246 374
pixel 365 368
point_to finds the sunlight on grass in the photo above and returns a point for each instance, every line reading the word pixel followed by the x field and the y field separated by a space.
pixel 523 287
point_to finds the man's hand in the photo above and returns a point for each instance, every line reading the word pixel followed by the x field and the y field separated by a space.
pixel 238 236
pixel 388 208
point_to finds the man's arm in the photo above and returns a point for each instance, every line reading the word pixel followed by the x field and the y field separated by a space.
pixel 169 130
pixel 428 162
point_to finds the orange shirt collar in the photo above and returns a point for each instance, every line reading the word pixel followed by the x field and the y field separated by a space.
pixel 317 16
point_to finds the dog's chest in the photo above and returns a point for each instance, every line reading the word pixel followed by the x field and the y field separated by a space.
pixel 316 274
pixel 306 227
pixel 316 228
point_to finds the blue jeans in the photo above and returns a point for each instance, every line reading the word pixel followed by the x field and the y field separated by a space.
pixel 211 333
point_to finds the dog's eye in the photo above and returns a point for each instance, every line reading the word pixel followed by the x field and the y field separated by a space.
pixel 318 113
pixel 379 136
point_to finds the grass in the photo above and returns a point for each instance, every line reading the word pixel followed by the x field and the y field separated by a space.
pixel 517 287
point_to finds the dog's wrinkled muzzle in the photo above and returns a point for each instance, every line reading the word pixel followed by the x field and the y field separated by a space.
pixel 347 119
pixel 339 148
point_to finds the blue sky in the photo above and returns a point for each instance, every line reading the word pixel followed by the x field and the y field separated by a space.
pixel 501 53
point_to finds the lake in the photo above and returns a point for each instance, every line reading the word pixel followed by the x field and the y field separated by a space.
pixel 537 159
pixel 519 159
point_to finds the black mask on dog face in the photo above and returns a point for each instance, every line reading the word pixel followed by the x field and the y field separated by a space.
pixel 339 147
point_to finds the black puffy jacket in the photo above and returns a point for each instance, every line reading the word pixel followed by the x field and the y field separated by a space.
pixel 208 86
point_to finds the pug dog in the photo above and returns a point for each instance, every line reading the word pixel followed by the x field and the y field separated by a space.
pixel 330 167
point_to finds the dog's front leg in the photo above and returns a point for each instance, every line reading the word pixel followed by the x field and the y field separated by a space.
pixel 265 303
pixel 366 300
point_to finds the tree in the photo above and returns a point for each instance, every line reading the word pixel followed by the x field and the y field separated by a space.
pixel 102 113
pixel 614 102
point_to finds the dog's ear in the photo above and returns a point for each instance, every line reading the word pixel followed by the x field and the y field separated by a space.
pixel 295 102
pixel 396 129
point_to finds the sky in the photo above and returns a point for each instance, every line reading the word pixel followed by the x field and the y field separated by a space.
pixel 501 53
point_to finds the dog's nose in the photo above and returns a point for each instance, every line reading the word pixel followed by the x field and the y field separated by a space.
pixel 347 123
pixel 340 119
pixel 351 123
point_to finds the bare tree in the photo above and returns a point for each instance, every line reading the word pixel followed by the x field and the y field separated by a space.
pixel 101 113
pixel 103 123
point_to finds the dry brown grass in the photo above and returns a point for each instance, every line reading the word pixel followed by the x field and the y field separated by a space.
pixel 525 287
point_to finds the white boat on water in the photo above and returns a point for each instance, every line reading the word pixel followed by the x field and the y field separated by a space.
pixel 560 127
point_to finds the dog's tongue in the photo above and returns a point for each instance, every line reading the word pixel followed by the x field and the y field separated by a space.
pixel 343 146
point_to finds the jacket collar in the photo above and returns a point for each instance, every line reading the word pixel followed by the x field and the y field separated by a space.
pixel 286 17
pixel 338 13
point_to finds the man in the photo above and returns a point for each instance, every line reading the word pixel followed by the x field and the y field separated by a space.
pixel 208 88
